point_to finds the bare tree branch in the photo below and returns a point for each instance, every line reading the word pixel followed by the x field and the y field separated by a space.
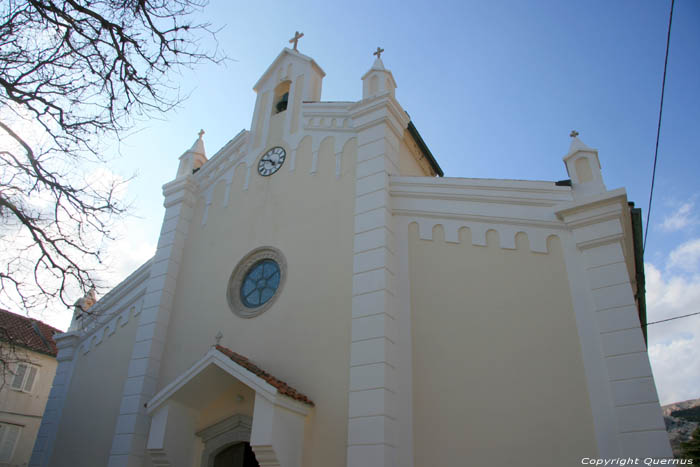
pixel 74 73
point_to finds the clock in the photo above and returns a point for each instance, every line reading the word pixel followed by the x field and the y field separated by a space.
pixel 271 161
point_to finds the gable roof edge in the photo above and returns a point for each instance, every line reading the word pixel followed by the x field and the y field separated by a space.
pixel 244 375
pixel 287 51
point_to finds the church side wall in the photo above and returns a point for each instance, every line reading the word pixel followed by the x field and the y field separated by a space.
pixel 91 407
pixel 495 350
pixel 408 166
pixel 304 337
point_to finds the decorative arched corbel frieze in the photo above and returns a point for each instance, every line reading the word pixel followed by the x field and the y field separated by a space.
pixel 120 319
pixel 537 237
pixel 228 177
pixel 247 177
pixel 316 144
pixel 339 142
pixel 208 198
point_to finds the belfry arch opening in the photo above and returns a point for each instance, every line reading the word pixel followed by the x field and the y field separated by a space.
pixel 281 97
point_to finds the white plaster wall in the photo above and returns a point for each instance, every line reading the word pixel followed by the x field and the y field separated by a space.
pixel 237 399
pixel 25 409
pixel 304 337
pixel 91 407
pixel 408 165
pixel 498 377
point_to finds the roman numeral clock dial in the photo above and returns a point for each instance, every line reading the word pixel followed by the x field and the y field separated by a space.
pixel 271 161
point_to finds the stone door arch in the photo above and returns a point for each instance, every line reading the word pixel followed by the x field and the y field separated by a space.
pixel 221 435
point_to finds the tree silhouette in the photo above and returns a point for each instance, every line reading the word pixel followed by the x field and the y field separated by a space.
pixel 691 448
pixel 74 73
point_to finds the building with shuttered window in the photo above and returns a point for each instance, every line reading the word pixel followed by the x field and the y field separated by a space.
pixel 29 360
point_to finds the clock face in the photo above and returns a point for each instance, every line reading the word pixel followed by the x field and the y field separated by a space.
pixel 271 161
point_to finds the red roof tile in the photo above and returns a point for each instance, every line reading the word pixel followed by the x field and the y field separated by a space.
pixel 281 386
pixel 27 332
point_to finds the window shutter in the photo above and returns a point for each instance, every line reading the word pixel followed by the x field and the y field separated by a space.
pixel 10 433
pixel 19 376
pixel 30 378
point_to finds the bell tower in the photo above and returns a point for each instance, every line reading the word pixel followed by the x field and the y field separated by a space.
pixel 291 79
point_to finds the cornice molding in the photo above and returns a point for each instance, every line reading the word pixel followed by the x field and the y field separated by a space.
pixel 66 343
pixel 507 200
pixel 180 190
pixel 126 286
pixel 103 320
pixel 387 110
pixel 495 220
pixel 587 210
pixel 225 158
pixel 597 220
pixel 328 106
pixel 327 117
pixel 525 186
pixel 104 328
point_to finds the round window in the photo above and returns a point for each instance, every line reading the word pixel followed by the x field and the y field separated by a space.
pixel 256 282
pixel 260 283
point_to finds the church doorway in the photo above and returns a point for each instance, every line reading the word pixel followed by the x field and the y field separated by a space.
pixel 236 455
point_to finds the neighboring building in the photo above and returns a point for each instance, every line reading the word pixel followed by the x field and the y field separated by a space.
pixel 29 352
pixel 408 319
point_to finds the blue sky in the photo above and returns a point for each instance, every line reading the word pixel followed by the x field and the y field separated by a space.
pixel 494 87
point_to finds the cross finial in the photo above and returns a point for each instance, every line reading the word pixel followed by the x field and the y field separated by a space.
pixel 378 53
pixel 296 38
pixel 201 133
pixel 573 133
pixel 218 337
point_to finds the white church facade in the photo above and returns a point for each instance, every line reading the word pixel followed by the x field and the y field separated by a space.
pixel 322 296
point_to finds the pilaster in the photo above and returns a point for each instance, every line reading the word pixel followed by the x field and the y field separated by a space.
pixel 600 226
pixel 372 414
pixel 67 344
pixel 131 431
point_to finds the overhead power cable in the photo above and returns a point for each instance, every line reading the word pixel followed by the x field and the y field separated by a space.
pixel 671 319
pixel 658 128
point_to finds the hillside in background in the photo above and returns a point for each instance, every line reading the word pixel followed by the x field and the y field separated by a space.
pixel 681 419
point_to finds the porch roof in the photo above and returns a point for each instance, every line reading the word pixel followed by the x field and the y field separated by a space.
pixel 281 386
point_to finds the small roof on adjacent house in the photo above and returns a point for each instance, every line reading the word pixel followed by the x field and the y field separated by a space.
pixel 281 386
pixel 28 332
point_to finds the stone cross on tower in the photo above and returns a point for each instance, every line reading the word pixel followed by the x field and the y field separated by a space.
pixel 201 133
pixel 296 38
pixel 378 53
pixel 573 134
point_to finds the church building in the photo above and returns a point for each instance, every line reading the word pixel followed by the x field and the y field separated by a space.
pixel 322 296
